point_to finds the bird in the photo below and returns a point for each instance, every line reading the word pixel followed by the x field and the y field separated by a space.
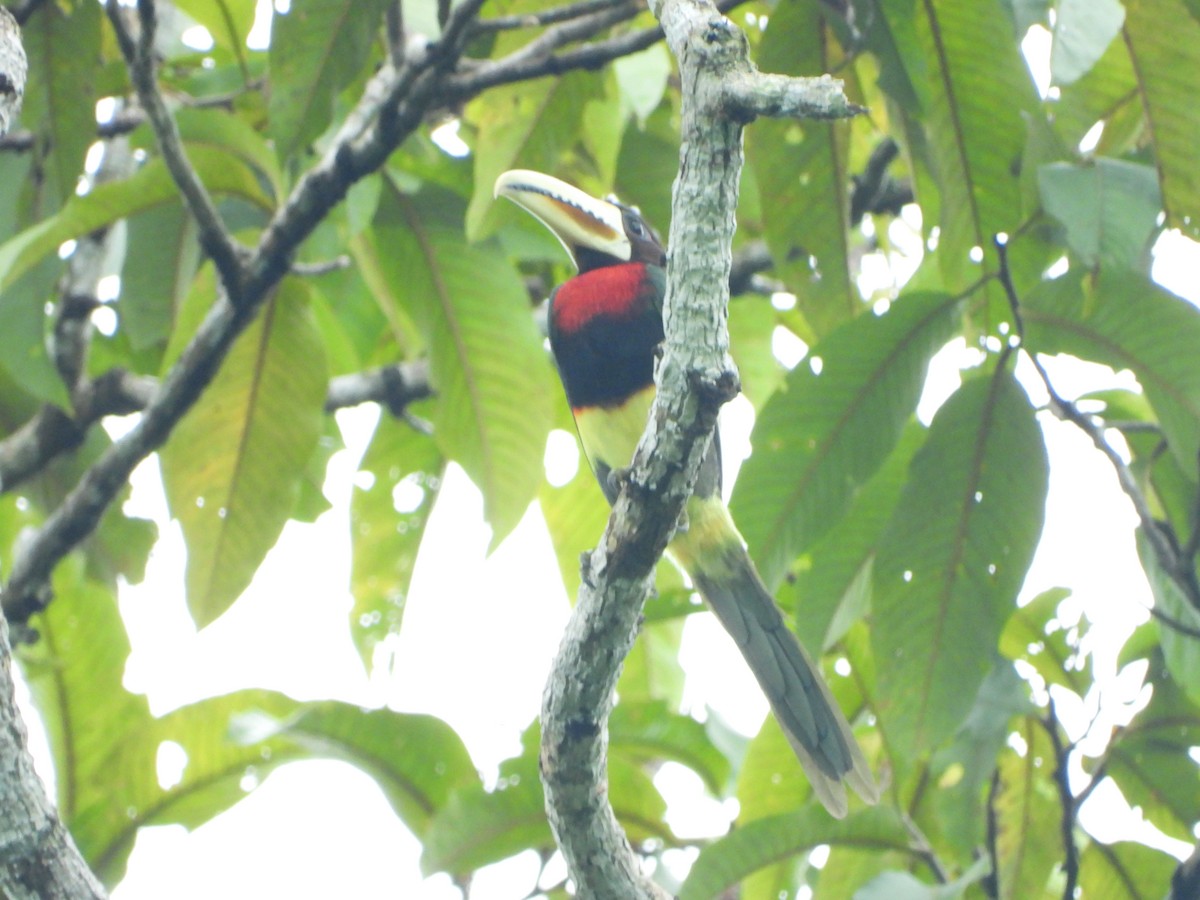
pixel 605 325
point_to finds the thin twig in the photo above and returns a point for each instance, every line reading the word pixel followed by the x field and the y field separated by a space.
pixel 991 882
pixel 393 104
pixel 394 387
pixel 541 19
pixel 1191 548
pixel 1179 568
pixel 1070 804
pixel 752 259
pixel 1097 778
pixel 394 27
pixel 1173 623
pixel 921 848
pixel 139 58
pixel 522 65
pixel 314 269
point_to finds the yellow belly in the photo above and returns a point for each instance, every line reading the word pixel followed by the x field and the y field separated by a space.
pixel 610 437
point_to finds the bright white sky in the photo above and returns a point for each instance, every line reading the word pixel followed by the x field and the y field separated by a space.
pixel 323 829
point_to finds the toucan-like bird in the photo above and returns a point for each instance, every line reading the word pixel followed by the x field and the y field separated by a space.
pixel 605 324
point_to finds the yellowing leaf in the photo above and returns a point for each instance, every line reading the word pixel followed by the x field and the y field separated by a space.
pixel 232 467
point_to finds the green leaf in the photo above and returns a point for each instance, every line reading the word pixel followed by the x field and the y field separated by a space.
pixel 317 49
pixel 1034 635
pixel 1083 29
pixel 376 271
pixel 24 354
pixel 1028 833
pixel 232 467
pixel 602 127
pixel 822 436
pixel 848 869
pixel 222 131
pixel 829 593
pixel 528 125
pixel 1128 323
pixel 651 670
pixel 490 373
pixel 417 760
pixel 149 187
pixel 642 78
pixel 904 886
pixel 769 780
pixel 891 34
pixel 1110 209
pixel 1164 42
pixel 979 90
pixel 646 168
pixel 1124 871
pixel 120 544
pixel 105 742
pixel 231 743
pixel 64 57
pixel 228 21
pixel 803 182
pixel 953 558
pixel 725 862
pixel 1150 762
pixel 388 513
pixel 157 276
pixel 102 771
pixel 218 770
pixel 1107 92
pixel 955 815
pixel 648 732
pixel 477 827
pixel 1027 13
pixel 752 325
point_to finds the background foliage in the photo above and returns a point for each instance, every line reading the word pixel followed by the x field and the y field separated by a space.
pixel 899 544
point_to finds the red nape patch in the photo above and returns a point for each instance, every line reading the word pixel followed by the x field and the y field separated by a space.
pixel 612 291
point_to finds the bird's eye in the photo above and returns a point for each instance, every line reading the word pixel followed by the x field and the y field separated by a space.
pixel 635 227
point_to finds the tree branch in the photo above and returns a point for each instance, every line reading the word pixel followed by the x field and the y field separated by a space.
pixel 1178 566
pixel 52 432
pixel 522 66
pixel 77 300
pixel 1185 882
pixel 392 106
pixel 393 387
pixel 139 59
pixel 1070 807
pixel 546 17
pixel 695 377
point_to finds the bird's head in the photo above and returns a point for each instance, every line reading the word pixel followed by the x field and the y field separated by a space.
pixel 595 232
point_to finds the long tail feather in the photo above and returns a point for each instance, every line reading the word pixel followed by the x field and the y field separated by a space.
pixel 815 727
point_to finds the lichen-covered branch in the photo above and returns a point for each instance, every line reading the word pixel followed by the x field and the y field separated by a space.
pixel 695 377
